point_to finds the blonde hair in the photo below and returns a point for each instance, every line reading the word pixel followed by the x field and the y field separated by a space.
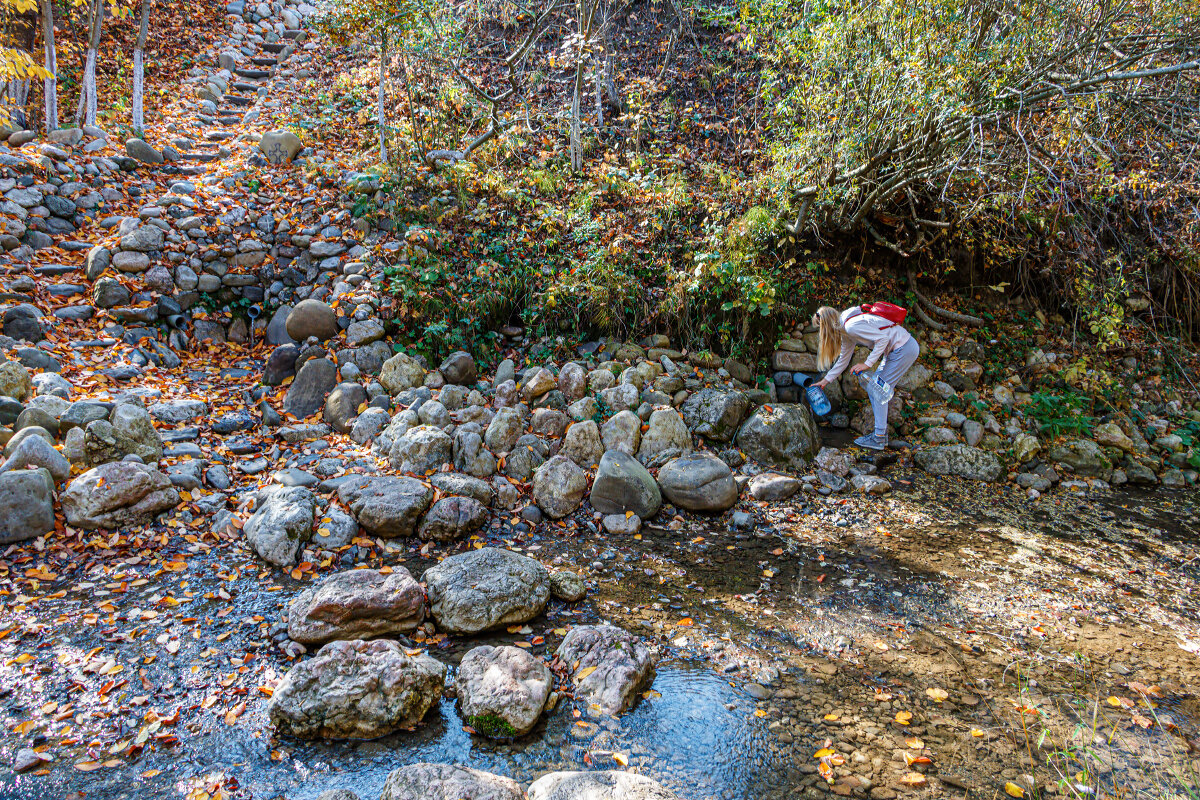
pixel 829 323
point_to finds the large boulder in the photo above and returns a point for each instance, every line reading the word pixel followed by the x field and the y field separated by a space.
pixel 26 504
pixel 608 785
pixel 34 451
pixel 15 381
pixel 622 484
pixel 280 147
pixel 356 690
pixel 959 461
pixel 384 505
pixel 400 373
pixel 504 430
pixel 132 425
pixel 559 486
pixel 422 450
pixel 484 589
pixel 698 482
pixel 502 691
pixel 314 381
pixel 783 435
pixel 666 437
pixel 459 369
pixel 341 407
pixel 453 518
pixel 582 444
pixel 281 524
pixel 119 494
pixel 1084 457
pixel 715 414
pixel 312 318
pixel 448 782
pixel 622 432
pixel 609 666
pixel 357 604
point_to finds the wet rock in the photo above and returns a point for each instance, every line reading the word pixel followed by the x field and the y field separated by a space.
pixel 177 412
pixel 698 482
pixel 400 373
pixel 448 782
pixel 26 504
pixel 609 785
pixel 484 589
pixel 421 450
pixel 783 436
pixel 559 486
pixel 306 395
pixel 357 604
pixel 453 518
pixel 608 666
pixel 715 414
pixel 959 460
pixel 119 494
pixel 282 524
pixel 568 586
pixel 837 462
pixel 28 759
pixel 356 690
pixel 384 505
pixel 502 691
pixel 666 437
pixel 622 484
pixel 771 486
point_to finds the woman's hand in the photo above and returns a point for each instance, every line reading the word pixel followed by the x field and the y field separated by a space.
pixel 857 368
pixel 821 384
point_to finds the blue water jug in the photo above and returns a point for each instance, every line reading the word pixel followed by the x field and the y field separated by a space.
pixel 817 400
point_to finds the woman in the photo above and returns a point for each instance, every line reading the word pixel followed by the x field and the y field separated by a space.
pixel 889 344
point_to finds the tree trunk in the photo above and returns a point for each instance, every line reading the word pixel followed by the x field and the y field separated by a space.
pixel 383 154
pixel 86 112
pixel 139 68
pixel 596 70
pixel 576 144
pixel 50 85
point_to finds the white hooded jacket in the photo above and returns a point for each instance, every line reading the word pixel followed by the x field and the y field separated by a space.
pixel 881 335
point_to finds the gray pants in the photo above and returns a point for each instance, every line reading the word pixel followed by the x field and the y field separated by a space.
pixel 891 370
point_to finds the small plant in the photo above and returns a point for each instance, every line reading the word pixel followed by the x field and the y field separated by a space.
pixel 1059 414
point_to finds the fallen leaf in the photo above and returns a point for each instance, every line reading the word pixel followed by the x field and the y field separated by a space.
pixel 1012 790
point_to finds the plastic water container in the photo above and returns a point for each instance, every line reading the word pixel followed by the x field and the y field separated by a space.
pixel 817 400
pixel 878 390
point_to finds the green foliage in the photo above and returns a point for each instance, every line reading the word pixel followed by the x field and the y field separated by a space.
pixel 1060 414
pixel 492 725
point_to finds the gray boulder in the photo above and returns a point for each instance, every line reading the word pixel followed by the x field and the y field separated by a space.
pixel 15 381
pixel 609 667
pixel 484 589
pixel 715 414
pixel 504 430
pixel 118 494
pixel 666 437
pixel 341 407
pixel 959 461
pixel 384 505
pixel 421 450
pixel 783 435
pixel 622 484
pixel 400 373
pixel 582 444
pixel 453 518
pixel 357 604
pixel 502 691
pixel 559 486
pixel 459 369
pixel 698 482
pixel 1084 457
pixel 282 524
pixel 770 486
pixel 139 150
pixel 315 380
pixel 610 785
pixel 26 504
pixel 280 146
pixel 455 485
pixel 448 782
pixel 356 690
pixel 34 451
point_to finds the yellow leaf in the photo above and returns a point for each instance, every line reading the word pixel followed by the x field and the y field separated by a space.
pixel 824 751
pixel 937 695
pixel 913 779
pixel 904 717
pixel 1012 790
pixel 758 712
pixel 976 732
pixel 87 766
pixel 831 717
pixel 621 759
pixel 914 742
pixel 583 673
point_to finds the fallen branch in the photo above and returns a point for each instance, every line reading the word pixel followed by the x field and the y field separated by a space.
pixel 953 316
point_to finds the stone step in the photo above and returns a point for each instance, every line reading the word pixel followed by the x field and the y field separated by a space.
pixel 218 136
pixel 238 100
pixel 264 61
pixel 232 112
pixel 54 269
pixel 252 73
pixel 201 157
pixel 273 47
pixel 247 87
pixel 229 120
pixel 296 34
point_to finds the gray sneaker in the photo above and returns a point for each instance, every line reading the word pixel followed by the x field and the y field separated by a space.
pixel 871 442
